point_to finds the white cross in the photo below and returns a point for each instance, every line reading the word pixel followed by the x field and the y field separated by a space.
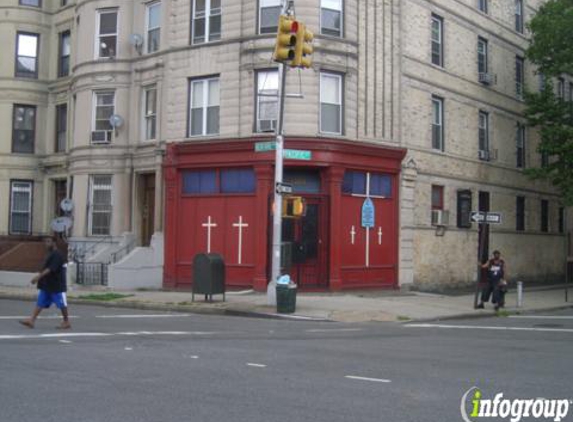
pixel 208 225
pixel 240 226
pixel 379 235
pixel 352 235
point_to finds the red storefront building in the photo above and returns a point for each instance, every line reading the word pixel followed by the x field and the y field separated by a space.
pixel 218 199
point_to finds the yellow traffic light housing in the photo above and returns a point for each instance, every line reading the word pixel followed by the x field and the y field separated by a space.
pixel 286 39
pixel 293 207
pixel 304 49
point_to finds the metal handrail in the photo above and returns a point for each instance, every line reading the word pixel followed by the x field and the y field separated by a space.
pixel 76 256
pixel 122 252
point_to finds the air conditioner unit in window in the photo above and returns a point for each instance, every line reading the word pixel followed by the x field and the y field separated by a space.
pixel 487 78
pixel 101 136
pixel 483 155
pixel 487 155
pixel 266 125
pixel 440 218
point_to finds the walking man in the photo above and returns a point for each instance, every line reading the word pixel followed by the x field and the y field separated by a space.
pixel 496 272
pixel 51 286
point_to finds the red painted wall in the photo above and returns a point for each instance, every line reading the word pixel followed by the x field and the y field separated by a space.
pixel 184 235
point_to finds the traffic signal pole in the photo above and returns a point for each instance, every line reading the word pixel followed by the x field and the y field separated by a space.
pixel 278 203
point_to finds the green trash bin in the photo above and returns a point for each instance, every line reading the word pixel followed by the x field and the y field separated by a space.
pixel 286 299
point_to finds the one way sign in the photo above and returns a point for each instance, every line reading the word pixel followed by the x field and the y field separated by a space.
pixel 486 217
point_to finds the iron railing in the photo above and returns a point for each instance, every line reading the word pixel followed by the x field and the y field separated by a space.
pixel 81 249
pixel 92 273
pixel 121 253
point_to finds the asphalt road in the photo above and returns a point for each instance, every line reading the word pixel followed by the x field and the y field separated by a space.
pixel 123 365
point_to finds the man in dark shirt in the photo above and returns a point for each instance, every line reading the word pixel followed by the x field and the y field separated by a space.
pixel 51 286
pixel 496 272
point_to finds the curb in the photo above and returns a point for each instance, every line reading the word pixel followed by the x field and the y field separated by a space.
pixel 149 306
pixel 490 314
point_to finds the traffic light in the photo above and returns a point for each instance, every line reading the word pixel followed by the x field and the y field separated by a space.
pixel 303 50
pixel 293 207
pixel 286 39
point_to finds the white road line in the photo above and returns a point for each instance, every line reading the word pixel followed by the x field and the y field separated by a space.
pixel 352 377
pixel 332 330
pixel 65 342
pixel 96 334
pixel 128 348
pixel 41 317
pixel 501 328
pixel 145 316
pixel 256 365
pixel 541 316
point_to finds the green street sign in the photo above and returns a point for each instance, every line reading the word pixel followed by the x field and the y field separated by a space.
pixel 265 146
pixel 297 154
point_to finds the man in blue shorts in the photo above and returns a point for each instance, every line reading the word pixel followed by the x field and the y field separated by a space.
pixel 51 286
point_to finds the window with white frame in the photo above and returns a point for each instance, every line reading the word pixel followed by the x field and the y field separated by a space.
pixel 437 123
pixel 519 76
pixel 104 108
pixel 482 55
pixel 331 17
pixel 100 205
pixel 24 129
pixel 483 135
pixel 153 26
pixel 106 38
pixel 519 16
pixel 150 111
pixel 437 40
pixel 267 100
pixel 61 127
pixel 269 12
pixel 33 3
pixel 520 146
pixel 330 103
pixel 21 207
pixel 64 57
pixel 27 52
pixel 203 107
pixel 206 21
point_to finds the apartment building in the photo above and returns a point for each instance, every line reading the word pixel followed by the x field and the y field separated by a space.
pixel 147 115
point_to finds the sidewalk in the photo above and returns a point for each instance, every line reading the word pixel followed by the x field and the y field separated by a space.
pixel 355 306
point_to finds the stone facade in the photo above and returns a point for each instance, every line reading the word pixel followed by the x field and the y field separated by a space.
pixel 385 58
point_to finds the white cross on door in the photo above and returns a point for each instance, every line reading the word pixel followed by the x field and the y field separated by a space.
pixel 209 225
pixel 240 225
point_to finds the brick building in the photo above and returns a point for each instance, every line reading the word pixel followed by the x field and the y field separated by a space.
pixel 421 99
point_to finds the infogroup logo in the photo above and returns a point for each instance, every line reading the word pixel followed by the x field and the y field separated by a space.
pixel 512 409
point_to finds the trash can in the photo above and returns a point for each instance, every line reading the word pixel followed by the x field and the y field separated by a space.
pixel 286 298
pixel 208 275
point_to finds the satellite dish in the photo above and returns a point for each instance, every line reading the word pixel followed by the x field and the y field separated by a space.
pixel 116 121
pixel 66 205
pixel 136 40
pixel 61 224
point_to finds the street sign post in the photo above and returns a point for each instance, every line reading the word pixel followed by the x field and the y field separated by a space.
pixel 484 219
